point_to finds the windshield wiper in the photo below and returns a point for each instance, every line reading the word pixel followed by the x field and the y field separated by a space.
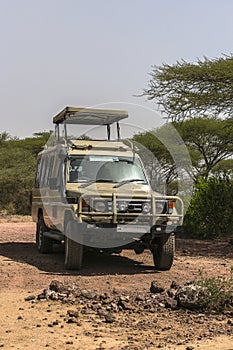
pixel 96 181
pixel 126 182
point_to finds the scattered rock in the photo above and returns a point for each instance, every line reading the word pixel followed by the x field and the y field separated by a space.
pixel 174 285
pixel 171 293
pixel 190 296
pixel 139 297
pixel 171 303
pixel 41 296
pixel 104 296
pixel 106 305
pixel 123 305
pixel 161 305
pixel 72 320
pixel 110 318
pixel 88 294
pixel 154 288
pixel 56 286
pixel 30 297
pixel 73 313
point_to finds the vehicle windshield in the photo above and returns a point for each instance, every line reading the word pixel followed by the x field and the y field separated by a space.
pixel 99 168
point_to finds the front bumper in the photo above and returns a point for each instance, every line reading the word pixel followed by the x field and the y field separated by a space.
pixel 110 236
pixel 112 228
pixel 137 217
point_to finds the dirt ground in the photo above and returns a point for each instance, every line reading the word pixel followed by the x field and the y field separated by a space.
pixel 43 324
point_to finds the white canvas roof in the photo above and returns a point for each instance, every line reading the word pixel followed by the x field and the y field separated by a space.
pixel 89 116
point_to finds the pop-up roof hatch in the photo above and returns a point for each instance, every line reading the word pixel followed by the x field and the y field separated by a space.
pixel 90 116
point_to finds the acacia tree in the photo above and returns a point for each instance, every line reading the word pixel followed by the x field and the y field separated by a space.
pixel 185 90
pixel 208 139
pixel 224 169
pixel 156 158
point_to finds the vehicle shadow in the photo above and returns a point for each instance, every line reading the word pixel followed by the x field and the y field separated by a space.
pixel 93 263
pixel 206 248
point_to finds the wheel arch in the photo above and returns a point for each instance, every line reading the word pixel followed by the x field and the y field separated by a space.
pixel 39 213
pixel 68 215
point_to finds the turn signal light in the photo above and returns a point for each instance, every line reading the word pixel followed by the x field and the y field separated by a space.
pixel 85 205
pixel 171 204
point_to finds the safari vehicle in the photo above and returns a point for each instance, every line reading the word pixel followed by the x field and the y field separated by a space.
pixel 95 194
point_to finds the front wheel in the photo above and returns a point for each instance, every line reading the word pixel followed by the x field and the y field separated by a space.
pixel 73 249
pixel 44 244
pixel 164 252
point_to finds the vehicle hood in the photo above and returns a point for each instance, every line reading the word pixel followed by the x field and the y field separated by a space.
pixel 108 189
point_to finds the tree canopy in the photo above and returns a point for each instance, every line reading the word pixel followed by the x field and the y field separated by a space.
pixel 185 90
pixel 157 160
pixel 209 141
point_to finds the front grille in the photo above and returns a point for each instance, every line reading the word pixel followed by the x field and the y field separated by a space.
pixel 129 206
pixel 135 207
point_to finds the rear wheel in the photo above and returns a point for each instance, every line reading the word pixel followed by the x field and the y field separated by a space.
pixel 73 249
pixel 44 244
pixel 164 252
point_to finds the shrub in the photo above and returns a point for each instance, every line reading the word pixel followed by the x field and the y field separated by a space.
pixel 210 212
pixel 18 163
pixel 217 292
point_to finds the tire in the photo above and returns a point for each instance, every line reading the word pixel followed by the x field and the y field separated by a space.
pixel 164 252
pixel 73 249
pixel 44 244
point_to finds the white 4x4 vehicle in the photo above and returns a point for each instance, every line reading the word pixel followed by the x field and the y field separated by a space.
pixel 93 194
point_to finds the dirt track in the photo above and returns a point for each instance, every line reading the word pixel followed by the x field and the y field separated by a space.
pixel 39 325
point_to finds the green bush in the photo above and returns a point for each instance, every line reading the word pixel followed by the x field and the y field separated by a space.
pixel 217 292
pixel 18 164
pixel 210 214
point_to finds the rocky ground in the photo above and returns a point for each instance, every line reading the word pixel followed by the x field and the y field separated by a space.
pixel 114 302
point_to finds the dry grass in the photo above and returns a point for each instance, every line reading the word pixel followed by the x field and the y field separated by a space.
pixel 15 218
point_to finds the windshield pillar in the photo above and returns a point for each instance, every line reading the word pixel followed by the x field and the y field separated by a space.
pixel 118 131
pixel 108 131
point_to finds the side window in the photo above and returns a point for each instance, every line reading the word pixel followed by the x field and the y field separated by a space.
pixel 47 168
pixel 43 172
pixel 61 175
pixel 50 162
pixel 37 177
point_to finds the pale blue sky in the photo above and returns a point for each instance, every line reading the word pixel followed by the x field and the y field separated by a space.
pixel 56 53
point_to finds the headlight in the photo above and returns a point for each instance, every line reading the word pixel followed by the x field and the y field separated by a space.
pixel 146 208
pixel 122 206
pixel 159 207
pixel 99 206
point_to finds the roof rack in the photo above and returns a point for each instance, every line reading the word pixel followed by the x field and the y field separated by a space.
pixel 89 116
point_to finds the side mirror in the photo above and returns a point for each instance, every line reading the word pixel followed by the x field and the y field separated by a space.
pixel 53 183
pixel 174 192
